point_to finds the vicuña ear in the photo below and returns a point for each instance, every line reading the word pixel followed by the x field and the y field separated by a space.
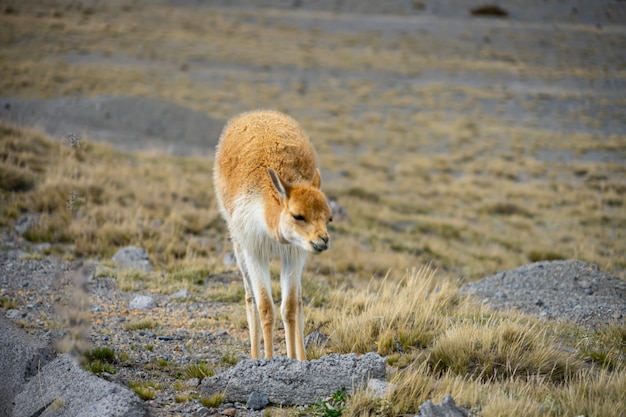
pixel 281 186
pixel 317 179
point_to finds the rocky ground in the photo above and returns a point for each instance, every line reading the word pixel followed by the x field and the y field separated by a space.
pixel 71 302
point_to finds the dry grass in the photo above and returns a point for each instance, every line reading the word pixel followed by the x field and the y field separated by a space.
pixel 495 364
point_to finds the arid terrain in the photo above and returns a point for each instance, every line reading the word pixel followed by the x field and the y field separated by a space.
pixel 470 143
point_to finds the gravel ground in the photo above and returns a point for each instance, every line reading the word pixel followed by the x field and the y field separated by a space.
pixel 45 296
pixel 561 290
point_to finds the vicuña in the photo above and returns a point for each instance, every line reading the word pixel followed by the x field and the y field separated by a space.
pixel 267 184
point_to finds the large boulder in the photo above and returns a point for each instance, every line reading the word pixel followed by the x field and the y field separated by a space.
pixel 572 290
pixel 63 388
pixel 21 358
pixel 291 382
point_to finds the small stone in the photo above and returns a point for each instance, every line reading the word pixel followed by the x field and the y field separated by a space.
pixel 257 401
pixel 132 257
pixel 180 294
pixel 447 408
pixel 165 338
pixel 230 412
pixel 617 315
pixel 192 382
pixel 315 338
pixel 142 302
pixel 14 314
pixel 378 389
pixel 539 303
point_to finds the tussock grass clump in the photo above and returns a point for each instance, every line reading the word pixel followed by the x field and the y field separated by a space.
pixel 146 390
pixel 390 317
pixel 500 350
pixel 143 324
pixel 214 400
pixel 100 359
pixel 198 370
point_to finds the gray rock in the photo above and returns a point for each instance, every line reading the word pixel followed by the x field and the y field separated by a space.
pixel 257 401
pixel 14 314
pixel 291 382
pixel 21 356
pixel 560 290
pixel 180 295
pixel 315 338
pixel 378 389
pixel 142 302
pixel 63 388
pixel 192 382
pixel 25 222
pixel 447 408
pixel 132 257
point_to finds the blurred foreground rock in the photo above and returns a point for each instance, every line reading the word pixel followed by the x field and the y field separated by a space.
pixel 63 388
pixel 35 383
pixel 21 356
pixel 291 382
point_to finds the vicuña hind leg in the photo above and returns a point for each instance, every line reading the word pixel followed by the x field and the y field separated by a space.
pixel 291 307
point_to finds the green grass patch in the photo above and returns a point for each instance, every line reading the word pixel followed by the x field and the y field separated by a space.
pixel 213 401
pixel 146 390
pixel 198 370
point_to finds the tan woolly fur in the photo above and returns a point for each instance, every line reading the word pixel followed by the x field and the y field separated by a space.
pixel 267 183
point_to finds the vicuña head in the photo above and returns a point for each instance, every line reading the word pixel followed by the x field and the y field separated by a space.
pixel 267 184
pixel 304 213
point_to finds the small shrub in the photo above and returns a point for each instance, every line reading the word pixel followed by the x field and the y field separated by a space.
pixel 99 360
pixel 183 398
pixel 213 401
pixel 144 324
pixel 102 353
pixel 332 406
pixel 229 359
pixel 199 370
pixel 15 179
pixel 7 304
pixel 146 390
pixel 98 367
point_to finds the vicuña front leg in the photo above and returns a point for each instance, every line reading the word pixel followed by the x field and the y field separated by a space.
pixel 291 307
pixel 259 273
pixel 252 312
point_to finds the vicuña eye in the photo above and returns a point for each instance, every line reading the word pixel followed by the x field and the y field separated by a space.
pixel 298 217
pixel 330 220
